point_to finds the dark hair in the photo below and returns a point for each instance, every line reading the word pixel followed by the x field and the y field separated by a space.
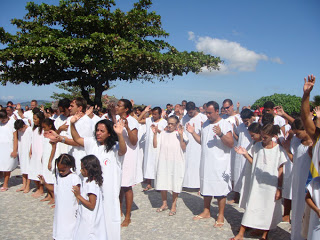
pixel 197 109
pixel 246 113
pixel 227 101
pixel 41 117
pixel 3 114
pixel 9 102
pixel 255 128
pixel 190 106
pixel 49 122
pixel 297 124
pixel 268 104
pixel 184 101
pixel 35 101
pixel 127 104
pixel 18 124
pixel 139 108
pixel 214 104
pixel 67 160
pixel 267 118
pixel 35 110
pixel 110 141
pixel 175 118
pixel 81 102
pixel 64 103
pixel 92 164
pixel 270 129
pixel 49 109
pixel 158 109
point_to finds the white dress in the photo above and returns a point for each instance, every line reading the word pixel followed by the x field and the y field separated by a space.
pixel 35 164
pixel 48 174
pixel 240 161
pixel 215 175
pixel 61 147
pixel 65 211
pixel 262 211
pixel 90 223
pixel 314 223
pixel 85 128
pixel 150 153
pixel 141 145
pixel 193 153
pixel 300 171
pixel 24 144
pixel 170 162
pixel 7 163
pixel 130 161
pixel 111 165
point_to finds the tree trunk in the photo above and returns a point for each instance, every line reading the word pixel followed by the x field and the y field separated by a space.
pixel 86 96
pixel 98 90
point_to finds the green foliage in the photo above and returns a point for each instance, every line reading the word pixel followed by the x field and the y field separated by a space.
pixel 316 100
pixel 290 103
pixel 90 43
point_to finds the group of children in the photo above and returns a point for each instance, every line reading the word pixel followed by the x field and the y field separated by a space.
pixel 261 158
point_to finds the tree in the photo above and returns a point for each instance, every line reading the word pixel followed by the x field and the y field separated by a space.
pixel 290 103
pixel 316 100
pixel 89 44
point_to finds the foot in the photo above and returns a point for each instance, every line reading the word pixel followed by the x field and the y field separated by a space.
pixel 218 224
pixel 37 194
pixel 232 201
pixel 3 189
pixel 286 218
pixel 172 213
pixel 47 198
pixel 53 206
pixel 26 190
pixel 126 222
pixel 51 201
pixel 161 209
pixel 20 189
pixel 201 216
pixel 147 188
pixel 237 238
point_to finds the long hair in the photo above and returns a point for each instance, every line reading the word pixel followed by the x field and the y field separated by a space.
pixel 41 117
pixel 92 165
pixel 110 141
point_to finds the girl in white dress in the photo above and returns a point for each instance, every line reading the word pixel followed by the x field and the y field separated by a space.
pixel 35 164
pixel 65 211
pixel 105 147
pixel 170 162
pixel 49 150
pixel 8 148
pixel 90 216
pixel 263 209
pixel 24 144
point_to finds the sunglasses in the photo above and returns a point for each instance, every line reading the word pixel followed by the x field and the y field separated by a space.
pixel 225 108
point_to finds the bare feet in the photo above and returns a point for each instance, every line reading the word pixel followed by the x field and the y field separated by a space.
pixel 37 194
pixel 20 189
pixel 126 222
pixel 51 201
pixel 53 206
pixel 286 218
pixel 26 190
pixel 238 237
pixel 220 222
pixel 47 198
pixel 147 188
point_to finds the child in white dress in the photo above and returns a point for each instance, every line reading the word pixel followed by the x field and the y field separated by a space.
pixel 170 162
pixel 313 200
pixel 263 210
pixel 90 218
pixel 66 204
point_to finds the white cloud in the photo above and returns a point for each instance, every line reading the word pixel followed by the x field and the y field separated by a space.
pixel 7 98
pixel 235 57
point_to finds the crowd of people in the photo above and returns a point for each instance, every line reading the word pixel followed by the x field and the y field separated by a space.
pixel 87 159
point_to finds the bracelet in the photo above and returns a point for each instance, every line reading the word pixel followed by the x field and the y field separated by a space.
pixel 221 135
pixel 63 140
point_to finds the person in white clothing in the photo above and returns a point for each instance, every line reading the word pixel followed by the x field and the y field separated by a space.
pixel 216 142
pixel 263 210
pixel 65 211
pixel 105 147
pixel 90 215
pixel 170 162
pixel 193 150
pixel 24 144
pixel 8 148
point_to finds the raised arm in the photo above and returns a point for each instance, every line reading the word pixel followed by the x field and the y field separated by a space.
pixel 227 139
pixel 183 144
pixel 283 114
pixel 118 128
pixel 141 118
pixel 155 132
pixel 244 152
pixel 132 134
pixel 74 133
pixel 191 129
pixel 305 108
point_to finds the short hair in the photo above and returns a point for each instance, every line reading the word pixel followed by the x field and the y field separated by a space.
pixel 9 102
pixel 175 118
pixel 268 104
pixel 227 101
pixel 214 104
pixel 168 105
pixel 81 102
pixel 297 124
pixel 255 128
pixel 3 114
pixel 190 106
pixel 267 118
pixel 246 113
pixel 158 109
pixel 18 124
pixel 64 103
pixel 185 101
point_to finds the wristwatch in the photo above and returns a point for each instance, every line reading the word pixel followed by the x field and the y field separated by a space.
pixel 221 135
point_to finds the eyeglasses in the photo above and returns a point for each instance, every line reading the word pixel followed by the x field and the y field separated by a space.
pixel 225 108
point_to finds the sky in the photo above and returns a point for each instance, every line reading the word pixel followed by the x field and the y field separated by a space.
pixel 267 47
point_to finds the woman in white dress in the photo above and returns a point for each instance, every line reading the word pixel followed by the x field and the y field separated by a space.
pixel 8 148
pixel 24 144
pixel 263 209
pixel 170 161
pixel 105 147
pixel 35 164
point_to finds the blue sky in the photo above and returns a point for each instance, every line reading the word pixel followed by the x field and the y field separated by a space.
pixel 267 46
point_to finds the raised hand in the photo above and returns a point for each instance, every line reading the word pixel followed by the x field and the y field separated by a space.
pixel 180 130
pixel 217 130
pixel 308 84
pixel 18 107
pixel 154 128
pixel 238 104
pixel 89 111
pixel 132 102
pixel 42 108
pixel 76 191
pixel 190 128
pixel 53 136
pixel 75 118
pixel 118 126
pixel 280 110
pixel 147 109
pixel 63 127
pixel 240 150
